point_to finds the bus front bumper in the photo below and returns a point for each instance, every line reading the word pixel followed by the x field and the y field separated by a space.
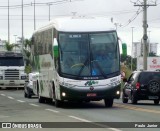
pixel 74 94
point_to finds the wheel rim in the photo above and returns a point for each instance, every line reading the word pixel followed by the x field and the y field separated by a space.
pixel 154 87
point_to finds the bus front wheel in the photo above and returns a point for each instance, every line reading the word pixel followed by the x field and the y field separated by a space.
pixel 41 99
pixel 108 102
pixel 58 103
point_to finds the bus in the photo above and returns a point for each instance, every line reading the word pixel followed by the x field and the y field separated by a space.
pixel 66 53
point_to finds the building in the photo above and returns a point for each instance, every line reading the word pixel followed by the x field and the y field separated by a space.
pixel 138 49
pixel 2 45
pixel 153 47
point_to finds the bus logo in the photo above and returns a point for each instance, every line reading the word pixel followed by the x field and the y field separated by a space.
pixel 91 88
pixel 90 83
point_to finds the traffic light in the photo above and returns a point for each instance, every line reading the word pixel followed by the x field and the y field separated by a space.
pixel 124 49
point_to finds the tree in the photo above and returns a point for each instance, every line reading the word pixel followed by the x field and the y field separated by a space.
pixel 152 54
pixel 27 55
pixel 126 59
pixel 9 47
pixel 27 43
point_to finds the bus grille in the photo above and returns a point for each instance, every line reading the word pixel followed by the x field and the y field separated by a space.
pixel 11 74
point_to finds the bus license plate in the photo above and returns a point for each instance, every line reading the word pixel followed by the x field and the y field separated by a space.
pixel 153 97
pixel 91 94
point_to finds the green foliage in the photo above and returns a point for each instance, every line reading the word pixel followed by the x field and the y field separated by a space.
pixel 127 72
pixel 152 54
pixel 26 50
pixel 9 47
pixel 27 43
pixel 127 61
pixel 28 69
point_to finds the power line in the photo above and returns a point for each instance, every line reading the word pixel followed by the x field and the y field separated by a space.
pixel 38 4
pixel 132 18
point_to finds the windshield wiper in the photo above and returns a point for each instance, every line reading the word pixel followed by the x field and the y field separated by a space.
pixel 85 63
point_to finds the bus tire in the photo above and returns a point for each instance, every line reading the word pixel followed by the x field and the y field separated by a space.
pixel 25 94
pixel 156 102
pixel 108 102
pixel 41 99
pixel 29 96
pixel 58 103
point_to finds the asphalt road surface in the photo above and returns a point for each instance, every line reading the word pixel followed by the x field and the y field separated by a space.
pixel 15 108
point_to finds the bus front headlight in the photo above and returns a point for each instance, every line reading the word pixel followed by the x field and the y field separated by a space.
pixel 63 94
pixel 118 92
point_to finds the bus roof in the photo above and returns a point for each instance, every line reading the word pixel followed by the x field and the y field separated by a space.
pixel 79 24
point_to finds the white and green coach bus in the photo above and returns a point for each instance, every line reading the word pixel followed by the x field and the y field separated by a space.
pixel 78 59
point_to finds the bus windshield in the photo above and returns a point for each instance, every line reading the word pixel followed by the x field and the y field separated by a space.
pixel 89 54
pixel 11 61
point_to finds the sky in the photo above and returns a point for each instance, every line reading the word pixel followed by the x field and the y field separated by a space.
pixel 123 12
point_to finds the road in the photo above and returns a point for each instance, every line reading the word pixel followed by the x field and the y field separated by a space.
pixel 15 108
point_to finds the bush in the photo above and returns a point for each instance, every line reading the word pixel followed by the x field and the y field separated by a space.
pixel 28 69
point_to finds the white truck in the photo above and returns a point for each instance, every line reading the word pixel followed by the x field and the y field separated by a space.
pixel 12 68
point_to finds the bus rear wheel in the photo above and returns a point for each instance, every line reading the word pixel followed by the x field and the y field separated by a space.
pixel 108 102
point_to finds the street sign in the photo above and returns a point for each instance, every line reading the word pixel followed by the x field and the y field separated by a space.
pixel 153 63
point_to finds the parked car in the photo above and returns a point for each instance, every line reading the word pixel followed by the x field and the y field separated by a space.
pixel 28 89
pixel 142 85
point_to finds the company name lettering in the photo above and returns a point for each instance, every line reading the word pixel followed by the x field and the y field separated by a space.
pixel 154 66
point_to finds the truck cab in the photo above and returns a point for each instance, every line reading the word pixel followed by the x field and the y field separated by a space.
pixel 12 72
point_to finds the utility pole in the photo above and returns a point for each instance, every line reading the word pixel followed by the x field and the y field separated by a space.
pixel 8 25
pixel 15 42
pixel 22 29
pixel 49 4
pixel 149 42
pixel 132 51
pixel 34 16
pixel 145 37
pixel 34 12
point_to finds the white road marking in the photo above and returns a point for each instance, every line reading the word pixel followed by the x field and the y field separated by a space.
pixel 84 120
pixel 20 101
pixel 34 105
pixel 114 129
pixel 10 97
pixel 1 116
pixel 3 95
pixel 52 110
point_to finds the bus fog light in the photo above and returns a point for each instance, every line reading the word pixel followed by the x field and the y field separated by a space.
pixel 63 94
pixel 118 92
